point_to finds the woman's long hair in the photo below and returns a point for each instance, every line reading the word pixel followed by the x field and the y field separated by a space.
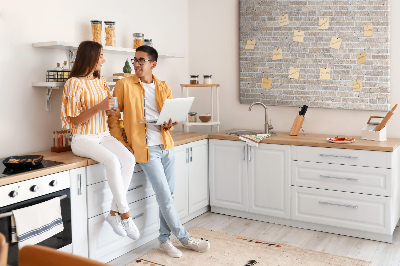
pixel 86 59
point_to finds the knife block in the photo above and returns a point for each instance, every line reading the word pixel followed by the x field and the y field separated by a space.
pixel 298 122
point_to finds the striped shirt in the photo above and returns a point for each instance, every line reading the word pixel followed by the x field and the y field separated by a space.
pixel 79 95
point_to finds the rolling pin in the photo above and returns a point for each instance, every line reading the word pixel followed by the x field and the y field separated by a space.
pixel 385 119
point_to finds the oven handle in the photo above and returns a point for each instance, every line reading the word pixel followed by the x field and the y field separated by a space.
pixel 6 214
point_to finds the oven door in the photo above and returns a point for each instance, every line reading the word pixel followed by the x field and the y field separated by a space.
pixel 61 241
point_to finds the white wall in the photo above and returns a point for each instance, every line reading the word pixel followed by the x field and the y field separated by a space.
pixel 214 49
pixel 25 124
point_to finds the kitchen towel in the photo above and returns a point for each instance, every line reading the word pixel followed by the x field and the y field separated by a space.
pixel 253 140
pixel 33 224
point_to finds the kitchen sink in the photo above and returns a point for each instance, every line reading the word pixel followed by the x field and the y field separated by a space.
pixel 248 132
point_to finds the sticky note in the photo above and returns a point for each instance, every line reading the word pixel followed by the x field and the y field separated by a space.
pixel 323 23
pixel 294 73
pixel 298 36
pixel 250 44
pixel 361 58
pixel 266 83
pixel 335 43
pixel 284 20
pixel 357 85
pixel 324 73
pixel 277 54
pixel 368 30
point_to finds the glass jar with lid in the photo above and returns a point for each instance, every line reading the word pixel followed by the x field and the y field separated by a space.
pixel 194 79
pixel 96 30
pixel 148 42
pixel 207 79
pixel 192 117
pixel 110 33
pixel 137 40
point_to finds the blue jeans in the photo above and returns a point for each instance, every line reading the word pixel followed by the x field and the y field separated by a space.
pixel 160 170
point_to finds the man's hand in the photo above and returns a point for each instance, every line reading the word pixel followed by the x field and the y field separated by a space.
pixel 168 125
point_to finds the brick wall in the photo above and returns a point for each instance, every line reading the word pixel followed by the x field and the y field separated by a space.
pixel 259 20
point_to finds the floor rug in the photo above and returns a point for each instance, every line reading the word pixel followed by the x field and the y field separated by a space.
pixel 229 249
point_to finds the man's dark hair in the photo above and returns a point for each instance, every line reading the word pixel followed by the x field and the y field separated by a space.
pixel 149 50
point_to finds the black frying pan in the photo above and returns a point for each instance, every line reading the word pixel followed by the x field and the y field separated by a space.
pixel 23 161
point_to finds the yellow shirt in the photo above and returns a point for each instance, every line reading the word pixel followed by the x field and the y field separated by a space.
pixel 80 94
pixel 131 101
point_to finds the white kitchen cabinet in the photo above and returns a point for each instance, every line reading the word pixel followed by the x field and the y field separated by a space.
pixel 250 179
pixel 191 179
pixel 79 212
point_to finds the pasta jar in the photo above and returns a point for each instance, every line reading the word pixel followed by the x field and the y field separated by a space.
pixel 96 30
pixel 137 40
pixel 207 79
pixel 148 42
pixel 194 79
pixel 110 33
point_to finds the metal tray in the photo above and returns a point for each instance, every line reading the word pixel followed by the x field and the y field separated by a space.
pixel 23 161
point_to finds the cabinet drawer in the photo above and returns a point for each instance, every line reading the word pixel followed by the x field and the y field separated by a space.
pixel 105 245
pixel 342 209
pixel 342 156
pixel 97 173
pixel 99 195
pixel 368 180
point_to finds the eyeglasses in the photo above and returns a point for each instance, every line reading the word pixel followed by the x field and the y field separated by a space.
pixel 141 61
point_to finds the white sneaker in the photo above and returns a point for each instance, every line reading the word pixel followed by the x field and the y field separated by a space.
pixel 116 224
pixel 168 248
pixel 198 245
pixel 130 228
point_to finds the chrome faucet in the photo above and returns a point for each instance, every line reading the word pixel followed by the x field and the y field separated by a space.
pixel 267 127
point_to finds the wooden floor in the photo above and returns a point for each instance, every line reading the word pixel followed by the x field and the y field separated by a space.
pixel 381 254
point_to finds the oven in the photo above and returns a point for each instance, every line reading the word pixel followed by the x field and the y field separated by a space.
pixel 33 191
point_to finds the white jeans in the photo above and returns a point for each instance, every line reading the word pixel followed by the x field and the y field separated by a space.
pixel 118 161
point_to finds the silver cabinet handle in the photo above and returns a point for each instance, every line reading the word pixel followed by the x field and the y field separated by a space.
pixel 138 186
pixel 244 152
pixel 338 156
pixel 79 184
pixel 139 215
pixel 187 155
pixel 191 154
pixel 340 205
pixel 249 152
pixel 341 178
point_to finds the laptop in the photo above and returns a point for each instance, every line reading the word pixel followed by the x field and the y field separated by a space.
pixel 177 109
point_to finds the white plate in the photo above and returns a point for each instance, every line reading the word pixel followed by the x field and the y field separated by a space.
pixel 340 141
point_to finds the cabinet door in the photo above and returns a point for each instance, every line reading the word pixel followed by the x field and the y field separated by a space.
pixel 198 175
pixel 181 180
pixel 227 172
pixel 79 212
pixel 269 180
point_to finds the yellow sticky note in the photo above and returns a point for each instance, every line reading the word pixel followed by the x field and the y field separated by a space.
pixel 294 73
pixel 323 23
pixel 361 58
pixel 277 54
pixel 335 43
pixel 298 36
pixel 357 85
pixel 368 30
pixel 266 83
pixel 284 20
pixel 250 44
pixel 324 73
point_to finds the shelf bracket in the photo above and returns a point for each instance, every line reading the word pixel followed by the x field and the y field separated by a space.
pixel 48 97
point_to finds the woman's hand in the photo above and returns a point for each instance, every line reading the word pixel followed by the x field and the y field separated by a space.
pixel 168 125
pixel 106 104
pixel 113 111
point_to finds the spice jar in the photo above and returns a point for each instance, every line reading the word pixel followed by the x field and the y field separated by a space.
pixel 194 79
pixel 110 33
pixel 148 42
pixel 137 40
pixel 96 30
pixel 192 117
pixel 207 79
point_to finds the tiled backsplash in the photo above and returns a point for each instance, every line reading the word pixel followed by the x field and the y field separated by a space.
pixel 259 21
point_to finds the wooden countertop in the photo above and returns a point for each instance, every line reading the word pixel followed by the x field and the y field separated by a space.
pixel 315 140
pixel 318 140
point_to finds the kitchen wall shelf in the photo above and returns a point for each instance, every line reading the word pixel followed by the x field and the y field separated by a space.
pixel 214 119
pixel 108 49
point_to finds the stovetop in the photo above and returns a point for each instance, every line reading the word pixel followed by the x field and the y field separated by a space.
pixel 4 171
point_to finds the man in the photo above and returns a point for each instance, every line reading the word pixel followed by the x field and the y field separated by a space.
pixel 141 98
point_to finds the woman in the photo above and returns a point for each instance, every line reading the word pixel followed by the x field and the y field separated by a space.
pixel 86 104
